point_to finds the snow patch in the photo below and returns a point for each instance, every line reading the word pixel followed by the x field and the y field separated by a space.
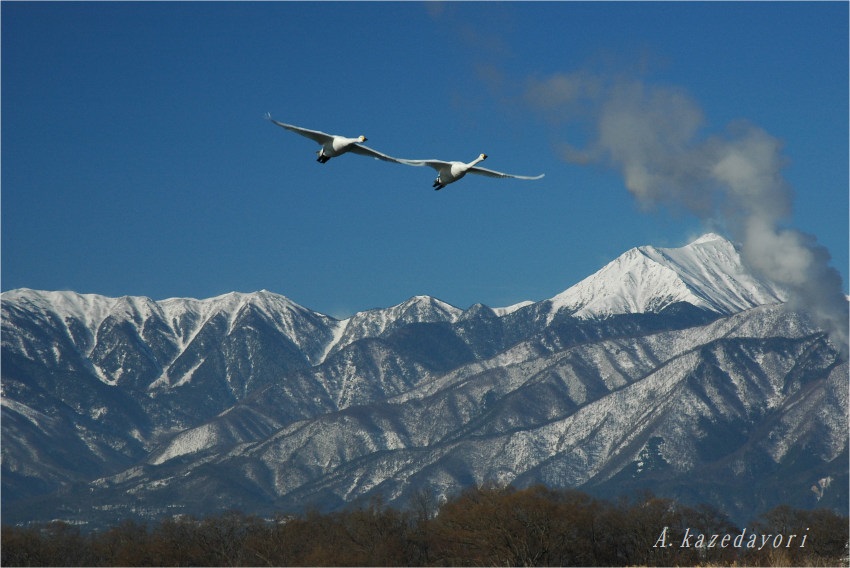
pixel 188 442
pixel 187 377
pixel 512 308
pixel 338 332
pixel 38 419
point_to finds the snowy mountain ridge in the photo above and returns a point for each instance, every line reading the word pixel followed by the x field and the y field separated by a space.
pixel 706 273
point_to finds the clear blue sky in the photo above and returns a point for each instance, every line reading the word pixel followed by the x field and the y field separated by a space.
pixel 135 157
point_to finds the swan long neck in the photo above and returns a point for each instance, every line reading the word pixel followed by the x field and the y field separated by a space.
pixel 480 158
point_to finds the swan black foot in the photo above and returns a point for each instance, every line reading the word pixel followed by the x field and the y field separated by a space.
pixel 322 159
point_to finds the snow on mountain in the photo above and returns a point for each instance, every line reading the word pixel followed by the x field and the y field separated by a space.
pixel 286 315
pixel 373 323
pixel 707 273
pixel 90 309
pixel 512 308
pixel 168 327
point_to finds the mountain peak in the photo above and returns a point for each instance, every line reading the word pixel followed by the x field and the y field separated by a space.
pixel 707 273
pixel 707 238
pixel 421 302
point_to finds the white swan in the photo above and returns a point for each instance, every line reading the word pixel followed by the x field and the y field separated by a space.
pixel 450 172
pixel 332 145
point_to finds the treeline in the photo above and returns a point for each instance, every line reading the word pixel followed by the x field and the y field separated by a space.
pixel 482 526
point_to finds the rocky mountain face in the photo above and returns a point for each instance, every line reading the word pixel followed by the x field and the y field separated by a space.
pixel 675 370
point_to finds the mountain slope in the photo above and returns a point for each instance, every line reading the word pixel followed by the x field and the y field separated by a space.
pixel 707 273
pixel 659 411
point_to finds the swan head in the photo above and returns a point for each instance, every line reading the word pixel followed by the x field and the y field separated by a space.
pixel 361 138
pixel 482 156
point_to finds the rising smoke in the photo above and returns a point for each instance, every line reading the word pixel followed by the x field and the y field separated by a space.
pixel 652 136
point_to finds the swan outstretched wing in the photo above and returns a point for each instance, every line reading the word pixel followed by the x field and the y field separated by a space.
pixel 372 153
pixel 318 136
pixel 436 164
pixel 495 174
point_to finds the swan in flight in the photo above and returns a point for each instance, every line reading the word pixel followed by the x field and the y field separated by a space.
pixel 332 145
pixel 450 172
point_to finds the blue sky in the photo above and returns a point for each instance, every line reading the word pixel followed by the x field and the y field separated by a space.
pixel 135 157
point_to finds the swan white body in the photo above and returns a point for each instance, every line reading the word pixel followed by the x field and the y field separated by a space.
pixel 333 145
pixel 450 172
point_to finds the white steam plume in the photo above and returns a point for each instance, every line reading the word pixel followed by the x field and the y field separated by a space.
pixel 651 134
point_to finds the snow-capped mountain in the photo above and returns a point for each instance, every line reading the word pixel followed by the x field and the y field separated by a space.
pixel 673 369
pixel 707 273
